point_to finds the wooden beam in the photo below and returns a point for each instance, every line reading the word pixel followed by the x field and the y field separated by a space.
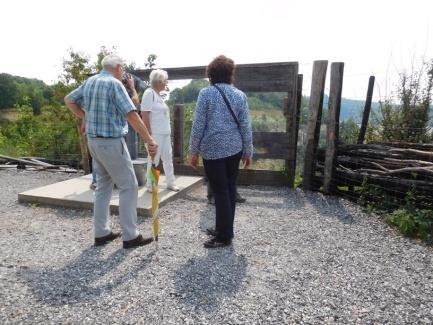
pixel 178 138
pixel 292 97
pixel 264 138
pixel 367 109
pixel 83 148
pixel 337 70
pixel 245 177
pixel 248 77
pixel 314 121
pixel 271 145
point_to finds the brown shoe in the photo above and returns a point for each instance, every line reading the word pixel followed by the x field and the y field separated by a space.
pixel 137 242
pixel 106 239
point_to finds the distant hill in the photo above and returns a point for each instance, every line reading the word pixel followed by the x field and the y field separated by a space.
pixel 350 108
pixel 16 90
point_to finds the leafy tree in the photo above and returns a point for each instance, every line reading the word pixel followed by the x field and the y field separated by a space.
pixel 14 90
pixel 349 131
pixel 103 52
pixel 151 61
pixel 8 91
pixel 76 68
pixel 406 118
pixel 188 93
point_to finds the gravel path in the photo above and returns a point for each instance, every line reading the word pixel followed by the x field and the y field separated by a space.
pixel 296 258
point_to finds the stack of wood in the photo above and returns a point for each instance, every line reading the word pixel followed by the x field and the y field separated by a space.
pixel 34 163
pixel 397 168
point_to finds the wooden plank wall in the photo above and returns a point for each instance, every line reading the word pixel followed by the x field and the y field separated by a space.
pixel 256 77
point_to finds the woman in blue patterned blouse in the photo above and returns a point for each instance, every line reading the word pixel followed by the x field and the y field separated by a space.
pixel 221 134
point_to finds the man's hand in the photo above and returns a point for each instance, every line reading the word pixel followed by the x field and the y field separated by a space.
pixel 76 109
pixel 152 147
pixel 246 161
pixel 83 127
pixel 194 161
pixel 130 82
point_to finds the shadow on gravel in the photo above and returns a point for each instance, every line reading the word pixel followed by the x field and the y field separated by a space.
pixel 289 199
pixel 204 282
pixel 207 218
pixel 329 206
pixel 76 282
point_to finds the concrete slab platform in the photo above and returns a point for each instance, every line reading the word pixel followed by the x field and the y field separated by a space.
pixel 75 193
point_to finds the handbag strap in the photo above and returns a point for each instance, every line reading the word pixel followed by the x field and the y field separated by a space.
pixel 227 104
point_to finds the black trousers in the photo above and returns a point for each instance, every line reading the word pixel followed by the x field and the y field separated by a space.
pixel 222 174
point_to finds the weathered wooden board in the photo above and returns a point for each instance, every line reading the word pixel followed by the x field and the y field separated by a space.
pixel 333 125
pixel 248 77
pixel 314 122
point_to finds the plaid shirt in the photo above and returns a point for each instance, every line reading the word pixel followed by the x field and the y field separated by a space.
pixel 106 104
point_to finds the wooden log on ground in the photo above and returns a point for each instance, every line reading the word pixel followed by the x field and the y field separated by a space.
pixel 8 166
pixel 333 125
pixel 314 122
pixel 27 161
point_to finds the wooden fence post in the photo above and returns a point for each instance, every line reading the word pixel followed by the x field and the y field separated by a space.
pixel 337 70
pixel 298 111
pixel 314 121
pixel 292 126
pixel 83 148
pixel 178 119
pixel 367 109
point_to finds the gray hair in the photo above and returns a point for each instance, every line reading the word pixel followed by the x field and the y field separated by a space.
pixel 111 61
pixel 157 76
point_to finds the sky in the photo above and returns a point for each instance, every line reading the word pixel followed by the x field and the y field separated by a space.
pixel 379 37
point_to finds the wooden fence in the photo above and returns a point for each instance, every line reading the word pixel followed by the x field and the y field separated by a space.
pixel 330 168
pixel 374 171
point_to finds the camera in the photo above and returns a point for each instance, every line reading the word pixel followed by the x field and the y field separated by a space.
pixel 139 84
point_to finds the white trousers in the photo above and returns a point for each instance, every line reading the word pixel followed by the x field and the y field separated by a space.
pixel 164 153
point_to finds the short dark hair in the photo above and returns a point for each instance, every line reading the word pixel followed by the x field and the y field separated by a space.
pixel 221 69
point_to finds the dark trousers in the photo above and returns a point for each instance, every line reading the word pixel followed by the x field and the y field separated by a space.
pixel 222 174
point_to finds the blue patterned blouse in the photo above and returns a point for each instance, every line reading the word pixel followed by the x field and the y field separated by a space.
pixel 214 133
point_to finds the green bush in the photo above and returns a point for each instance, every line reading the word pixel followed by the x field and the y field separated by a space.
pixel 413 222
pixel 403 214
pixel 50 134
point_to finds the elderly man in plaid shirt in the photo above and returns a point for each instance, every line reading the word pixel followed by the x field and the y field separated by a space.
pixel 106 107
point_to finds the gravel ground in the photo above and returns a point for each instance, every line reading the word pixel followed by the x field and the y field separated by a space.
pixel 296 258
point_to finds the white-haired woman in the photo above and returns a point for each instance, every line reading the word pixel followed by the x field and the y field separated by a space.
pixel 156 117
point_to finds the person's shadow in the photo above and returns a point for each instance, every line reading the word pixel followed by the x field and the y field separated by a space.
pixel 77 281
pixel 203 282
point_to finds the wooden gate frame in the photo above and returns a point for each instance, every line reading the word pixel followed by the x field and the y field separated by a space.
pixel 258 77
